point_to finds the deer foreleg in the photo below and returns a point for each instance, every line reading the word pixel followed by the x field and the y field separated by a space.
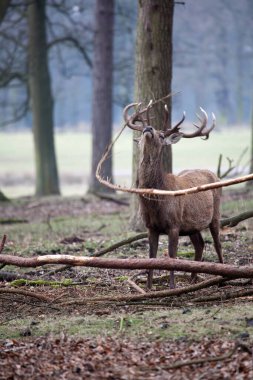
pixel 173 243
pixel 153 246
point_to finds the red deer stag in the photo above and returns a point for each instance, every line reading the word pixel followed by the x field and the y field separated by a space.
pixel 173 216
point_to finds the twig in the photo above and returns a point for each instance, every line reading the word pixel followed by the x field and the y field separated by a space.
pixel 119 244
pixel 3 243
pixel 225 296
pixel 135 286
pixel 111 198
pixel 203 360
pixel 26 293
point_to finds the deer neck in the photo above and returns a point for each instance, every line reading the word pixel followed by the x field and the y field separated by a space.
pixel 151 173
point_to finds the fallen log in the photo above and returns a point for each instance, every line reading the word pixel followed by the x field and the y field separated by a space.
pixel 226 270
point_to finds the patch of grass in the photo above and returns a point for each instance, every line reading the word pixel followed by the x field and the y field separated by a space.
pixel 233 207
pixel 74 157
pixel 195 323
pixel 186 254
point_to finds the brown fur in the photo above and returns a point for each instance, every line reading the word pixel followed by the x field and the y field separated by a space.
pixel 174 216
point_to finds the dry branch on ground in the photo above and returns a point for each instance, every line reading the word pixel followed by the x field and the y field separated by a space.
pixel 226 270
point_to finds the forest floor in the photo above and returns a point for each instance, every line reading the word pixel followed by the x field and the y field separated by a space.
pixel 71 334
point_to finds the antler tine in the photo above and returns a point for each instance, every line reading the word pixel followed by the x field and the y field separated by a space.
pixel 136 116
pixel 166 117
pixel 176 128
pixel 201 128
pixel 149 106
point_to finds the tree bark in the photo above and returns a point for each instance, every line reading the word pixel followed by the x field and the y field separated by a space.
pixel 164 263
pixel 4 4
pixel 153 75
pixel 250 183
pixel 102 91
pixel 41 101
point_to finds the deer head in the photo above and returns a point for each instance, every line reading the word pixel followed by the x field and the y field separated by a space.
pixel 153 140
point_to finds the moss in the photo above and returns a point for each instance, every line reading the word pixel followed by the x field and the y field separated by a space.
pixel 22 282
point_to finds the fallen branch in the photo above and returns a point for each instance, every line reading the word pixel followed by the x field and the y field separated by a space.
pixel 227 222
pixel 208 359
pixel 234 220
pixel 150 295
pixel 111 263
pixel 26 293
pixel 225 296
pixel 129 240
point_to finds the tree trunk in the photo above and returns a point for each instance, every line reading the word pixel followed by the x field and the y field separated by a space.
pixel 153 75
pixel 102 91
pixel 3 9
pixel 249 183
pixel 4 4
pixel 41 101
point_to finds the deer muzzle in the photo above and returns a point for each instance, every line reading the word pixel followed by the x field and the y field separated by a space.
pixel 148 130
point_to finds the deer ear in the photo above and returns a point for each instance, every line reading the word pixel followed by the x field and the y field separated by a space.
pixel 173 139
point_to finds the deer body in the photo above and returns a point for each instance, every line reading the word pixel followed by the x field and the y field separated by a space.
pixel 189 213
pixel 175 216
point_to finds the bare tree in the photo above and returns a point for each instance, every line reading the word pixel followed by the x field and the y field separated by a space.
pixel 102 89
pixel 28 36
pixel 42 101
pixel 3 8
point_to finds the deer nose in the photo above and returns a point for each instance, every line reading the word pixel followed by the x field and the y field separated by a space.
pixel 148 129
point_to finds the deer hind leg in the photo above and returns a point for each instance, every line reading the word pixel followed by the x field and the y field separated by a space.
pixel 173 243
pixel 199 245
pixel 215 231
pixel 153 237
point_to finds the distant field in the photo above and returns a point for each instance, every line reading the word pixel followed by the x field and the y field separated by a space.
pixel 74 156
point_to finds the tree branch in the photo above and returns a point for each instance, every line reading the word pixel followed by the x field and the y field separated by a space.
pixel 226 270
pixel 73 41
pixel 151 295
pixel 155 192
pixel 208 359
pixel 26 293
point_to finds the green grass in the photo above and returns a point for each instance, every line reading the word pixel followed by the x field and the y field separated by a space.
pixel 228 321
pixel 74 158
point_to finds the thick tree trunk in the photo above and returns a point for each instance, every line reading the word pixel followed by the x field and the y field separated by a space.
pixel 102 91
pixel 153 74
pixel 42 101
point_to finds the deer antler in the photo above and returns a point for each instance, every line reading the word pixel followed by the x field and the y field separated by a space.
pixel 176 128
pixel 201 131
pixel 137 116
